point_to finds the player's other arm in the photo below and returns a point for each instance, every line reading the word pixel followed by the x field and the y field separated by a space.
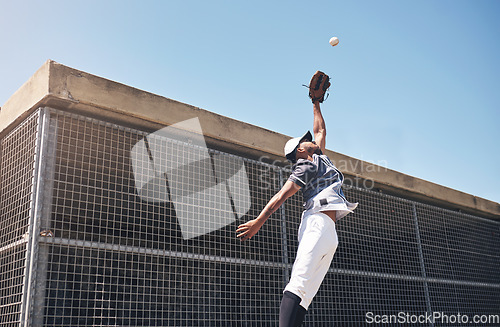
pixel 319 127
pixel 249 229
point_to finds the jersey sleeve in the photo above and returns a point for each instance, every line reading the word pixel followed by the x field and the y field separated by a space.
pixel 303 172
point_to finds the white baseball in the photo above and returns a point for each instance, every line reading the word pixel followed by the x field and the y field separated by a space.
pixel 334 41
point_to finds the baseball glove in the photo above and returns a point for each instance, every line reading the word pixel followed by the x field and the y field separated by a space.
pixel 320 82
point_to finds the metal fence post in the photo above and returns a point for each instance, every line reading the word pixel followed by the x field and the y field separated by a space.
pixel 39 197
pixel 422 264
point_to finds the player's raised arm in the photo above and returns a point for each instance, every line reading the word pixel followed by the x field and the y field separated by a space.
pixel 320 82
pixel 250 228
pixel 319 127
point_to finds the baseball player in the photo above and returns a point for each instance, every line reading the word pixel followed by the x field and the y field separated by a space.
pixel 324 204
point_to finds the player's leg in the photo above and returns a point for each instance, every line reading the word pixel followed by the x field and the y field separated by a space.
pixel 290 310
pixel 317 245
pixel 299 318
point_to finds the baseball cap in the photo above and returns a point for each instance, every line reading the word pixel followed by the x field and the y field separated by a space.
pixel 292 144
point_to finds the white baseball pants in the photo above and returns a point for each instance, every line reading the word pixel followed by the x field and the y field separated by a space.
pixel 317 244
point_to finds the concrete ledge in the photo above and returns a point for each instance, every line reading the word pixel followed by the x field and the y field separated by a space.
pixel 61 87
pixel 26 97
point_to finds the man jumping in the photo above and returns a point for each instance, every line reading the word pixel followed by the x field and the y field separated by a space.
pixel 324 204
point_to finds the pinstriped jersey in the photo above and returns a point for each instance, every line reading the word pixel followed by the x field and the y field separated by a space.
pixel 321 184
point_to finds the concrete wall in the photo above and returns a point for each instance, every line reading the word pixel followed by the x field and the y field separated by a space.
pixel 58 86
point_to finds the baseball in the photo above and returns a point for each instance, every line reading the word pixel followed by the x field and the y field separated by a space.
pixel 334 41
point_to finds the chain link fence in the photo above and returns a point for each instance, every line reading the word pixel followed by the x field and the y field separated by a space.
pixel 104 225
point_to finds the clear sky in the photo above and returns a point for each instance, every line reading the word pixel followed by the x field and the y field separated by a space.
pixel 416 84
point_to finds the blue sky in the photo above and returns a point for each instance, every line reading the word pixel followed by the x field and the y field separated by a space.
pixel 416 84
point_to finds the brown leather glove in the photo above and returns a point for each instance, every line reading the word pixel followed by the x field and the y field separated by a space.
pixel 320 82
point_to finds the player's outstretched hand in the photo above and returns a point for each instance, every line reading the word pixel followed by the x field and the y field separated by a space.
pixel 249 229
